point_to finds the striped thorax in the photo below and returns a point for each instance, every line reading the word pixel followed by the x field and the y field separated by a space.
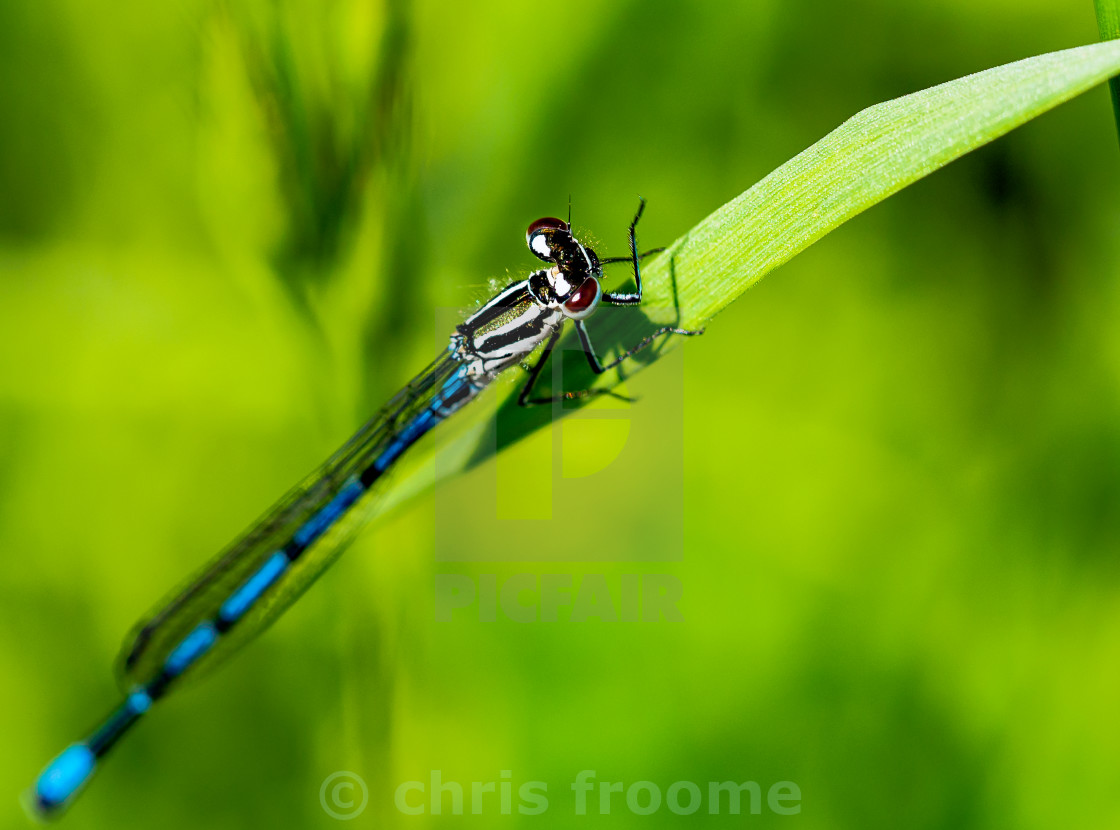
pixel 523 316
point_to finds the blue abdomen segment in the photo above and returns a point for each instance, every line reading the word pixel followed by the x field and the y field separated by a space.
pixel 455 391
pixel 139 701
pixel 250 591
pixel 412 433
pixel 193 646
pixel 274 567
pixel 318 524
pixel 64 777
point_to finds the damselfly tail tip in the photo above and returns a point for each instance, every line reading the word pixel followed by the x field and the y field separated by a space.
pixel 65 776
pixel 60 782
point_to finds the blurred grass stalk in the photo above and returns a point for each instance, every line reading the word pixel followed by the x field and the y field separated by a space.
pixel 869 157
pixel 1108 22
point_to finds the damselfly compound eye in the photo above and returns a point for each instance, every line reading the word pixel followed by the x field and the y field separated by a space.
pixel 584 300
pixel 540 235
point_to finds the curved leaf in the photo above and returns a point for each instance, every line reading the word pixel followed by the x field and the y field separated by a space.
pixel 870 156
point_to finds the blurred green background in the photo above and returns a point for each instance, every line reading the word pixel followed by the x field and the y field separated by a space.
pixel 224 232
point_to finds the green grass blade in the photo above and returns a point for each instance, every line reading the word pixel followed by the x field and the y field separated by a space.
pixel 1108 18
pixel 1108 22
pixel 874 154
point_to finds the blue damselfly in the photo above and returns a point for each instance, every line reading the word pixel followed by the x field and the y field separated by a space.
pixel 242 590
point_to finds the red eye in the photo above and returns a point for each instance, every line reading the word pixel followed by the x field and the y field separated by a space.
pixel 584 300
pixel 540 234
pixel 548 222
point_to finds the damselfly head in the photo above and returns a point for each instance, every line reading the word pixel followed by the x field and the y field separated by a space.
pixel 546 236
pixel 573 279
pixel 551 240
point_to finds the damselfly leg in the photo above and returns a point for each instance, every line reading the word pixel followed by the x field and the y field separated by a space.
pixel 612 260
pixel 523 399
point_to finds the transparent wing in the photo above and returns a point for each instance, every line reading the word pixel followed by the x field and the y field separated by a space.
pixel 153 639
